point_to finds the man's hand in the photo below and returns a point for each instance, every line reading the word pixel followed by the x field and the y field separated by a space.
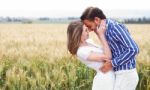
pixel 106 67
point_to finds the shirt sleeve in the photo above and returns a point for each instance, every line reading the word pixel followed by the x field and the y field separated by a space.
pixel 83 53
pixel 120 32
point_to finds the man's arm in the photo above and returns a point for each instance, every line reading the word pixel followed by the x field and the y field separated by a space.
pixel 120 33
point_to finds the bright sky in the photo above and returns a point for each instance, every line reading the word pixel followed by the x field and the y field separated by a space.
pixel 71 8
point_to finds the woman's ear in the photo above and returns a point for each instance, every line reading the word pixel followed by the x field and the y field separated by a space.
pixel 97 20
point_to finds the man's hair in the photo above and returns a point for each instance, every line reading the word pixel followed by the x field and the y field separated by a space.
pixel 91 12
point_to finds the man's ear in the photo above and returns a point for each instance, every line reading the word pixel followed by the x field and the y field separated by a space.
pixel 97 20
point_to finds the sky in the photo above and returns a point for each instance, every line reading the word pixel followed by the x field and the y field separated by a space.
pixel 73 8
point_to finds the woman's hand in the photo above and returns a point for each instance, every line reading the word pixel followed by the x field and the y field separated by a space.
pixel 101 35
pixel 101 29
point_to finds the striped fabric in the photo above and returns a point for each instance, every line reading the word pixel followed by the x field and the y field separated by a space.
pixel 123 47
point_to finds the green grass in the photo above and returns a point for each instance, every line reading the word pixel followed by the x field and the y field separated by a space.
pixel 38 74
pixel 67 73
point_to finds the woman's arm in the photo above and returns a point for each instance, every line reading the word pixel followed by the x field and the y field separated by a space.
pixel 100 32
pixel 97 57
pixel 106 48
pixel 87 54
pixel 106 55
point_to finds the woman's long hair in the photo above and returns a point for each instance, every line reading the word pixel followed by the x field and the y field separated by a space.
pixel 74 32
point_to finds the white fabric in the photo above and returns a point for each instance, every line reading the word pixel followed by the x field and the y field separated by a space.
pixel 101 81
pixel 126 80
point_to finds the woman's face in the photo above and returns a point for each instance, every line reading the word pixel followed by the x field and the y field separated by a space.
pixel 85 34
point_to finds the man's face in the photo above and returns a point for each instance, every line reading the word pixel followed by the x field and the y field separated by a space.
pixel 92 26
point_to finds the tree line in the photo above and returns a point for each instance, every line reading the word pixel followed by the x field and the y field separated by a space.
pixel 23 20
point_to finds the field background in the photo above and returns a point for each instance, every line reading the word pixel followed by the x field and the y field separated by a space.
pixel 34 57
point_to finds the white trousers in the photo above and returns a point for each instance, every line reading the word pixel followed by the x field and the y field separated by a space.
pixel 126 80
pixel 104 81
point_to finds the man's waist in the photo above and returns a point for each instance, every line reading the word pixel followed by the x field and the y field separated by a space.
pixel 124 67
pixel 126 71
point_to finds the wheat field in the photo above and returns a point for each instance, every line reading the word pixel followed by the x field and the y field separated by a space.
pixel 34 57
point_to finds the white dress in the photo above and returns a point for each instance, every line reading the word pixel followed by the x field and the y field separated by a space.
pixel 101 81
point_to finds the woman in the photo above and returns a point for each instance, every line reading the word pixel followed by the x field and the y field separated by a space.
pixel 90 54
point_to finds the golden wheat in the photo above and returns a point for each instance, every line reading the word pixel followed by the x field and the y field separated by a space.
pixel 34 57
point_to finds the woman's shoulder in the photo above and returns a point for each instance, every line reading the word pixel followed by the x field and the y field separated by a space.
pixel 83 52
pixel 83 49
pixel 91 42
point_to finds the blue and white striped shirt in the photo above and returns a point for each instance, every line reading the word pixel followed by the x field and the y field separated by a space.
pixel 123 47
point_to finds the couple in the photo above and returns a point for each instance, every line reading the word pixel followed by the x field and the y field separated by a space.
pixel 115 62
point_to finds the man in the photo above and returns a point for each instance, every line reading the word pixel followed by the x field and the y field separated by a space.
pixel 123 47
